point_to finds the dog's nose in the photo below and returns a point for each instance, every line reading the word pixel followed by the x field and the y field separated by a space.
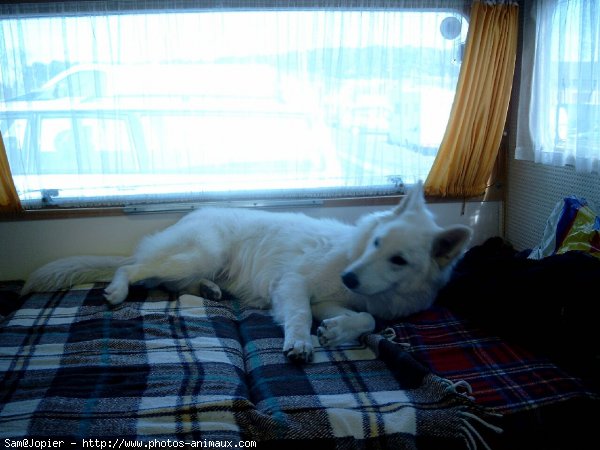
pixel 350 280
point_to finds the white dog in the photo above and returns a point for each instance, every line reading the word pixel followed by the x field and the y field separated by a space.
pixel 388 265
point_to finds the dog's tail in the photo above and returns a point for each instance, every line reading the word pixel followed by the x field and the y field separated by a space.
pixel 67 272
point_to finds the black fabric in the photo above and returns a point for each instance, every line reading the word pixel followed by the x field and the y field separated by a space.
pixel 549 305
pixel 9 296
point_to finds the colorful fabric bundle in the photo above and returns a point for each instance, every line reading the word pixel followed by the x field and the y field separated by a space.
pixel 572 225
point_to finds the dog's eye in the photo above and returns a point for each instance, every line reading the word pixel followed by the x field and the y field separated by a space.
pixel 398 260
pixel 376 242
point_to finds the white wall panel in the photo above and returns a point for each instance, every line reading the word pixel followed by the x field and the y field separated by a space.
pixel 25 245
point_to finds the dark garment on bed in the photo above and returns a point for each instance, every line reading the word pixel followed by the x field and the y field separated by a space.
pixel 549 305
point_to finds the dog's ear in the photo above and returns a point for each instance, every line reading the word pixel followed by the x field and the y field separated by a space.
pixel 414 200
pixel 450 243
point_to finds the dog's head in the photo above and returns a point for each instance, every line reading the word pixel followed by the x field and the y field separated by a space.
pixel 403 249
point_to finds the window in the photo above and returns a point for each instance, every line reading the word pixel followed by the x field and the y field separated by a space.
pixel 133 106
pixel 559 111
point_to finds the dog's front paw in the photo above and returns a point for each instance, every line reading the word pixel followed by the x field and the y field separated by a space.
pixel 299 351
pixel 332 332
pixel 115 293
pixel 209 290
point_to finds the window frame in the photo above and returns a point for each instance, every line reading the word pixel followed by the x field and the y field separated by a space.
pixel 87 7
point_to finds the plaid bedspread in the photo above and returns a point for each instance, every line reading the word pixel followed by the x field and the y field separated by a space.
pixel 163 368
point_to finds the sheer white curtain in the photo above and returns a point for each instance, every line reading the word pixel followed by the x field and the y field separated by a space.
pixel 186 100
pixel 559 110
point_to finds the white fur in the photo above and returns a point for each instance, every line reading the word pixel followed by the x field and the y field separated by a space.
pixel 394 262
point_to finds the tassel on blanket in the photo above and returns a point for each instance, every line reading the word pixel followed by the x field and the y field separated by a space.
pixel 469 419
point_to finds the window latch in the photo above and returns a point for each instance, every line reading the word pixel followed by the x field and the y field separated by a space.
pixel 48 196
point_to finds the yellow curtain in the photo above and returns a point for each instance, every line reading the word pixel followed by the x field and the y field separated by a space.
pixel 470 145
pixel 9 200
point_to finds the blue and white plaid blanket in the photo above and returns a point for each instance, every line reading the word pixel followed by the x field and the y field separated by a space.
pixel 186 369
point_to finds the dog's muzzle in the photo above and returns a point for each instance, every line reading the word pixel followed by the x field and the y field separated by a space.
pixel 350 280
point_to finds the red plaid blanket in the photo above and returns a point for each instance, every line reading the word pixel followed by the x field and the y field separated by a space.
pixel 538 399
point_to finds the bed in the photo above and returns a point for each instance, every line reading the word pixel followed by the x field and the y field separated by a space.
pixel 168 370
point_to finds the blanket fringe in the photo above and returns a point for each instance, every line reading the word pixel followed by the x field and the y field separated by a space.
pixel 453 400
pixel 472 436
pixel 462 384
pixel 483 422
pixel 390 335
pixel 471 415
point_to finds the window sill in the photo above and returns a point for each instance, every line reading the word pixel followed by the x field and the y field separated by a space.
pixel 72 213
